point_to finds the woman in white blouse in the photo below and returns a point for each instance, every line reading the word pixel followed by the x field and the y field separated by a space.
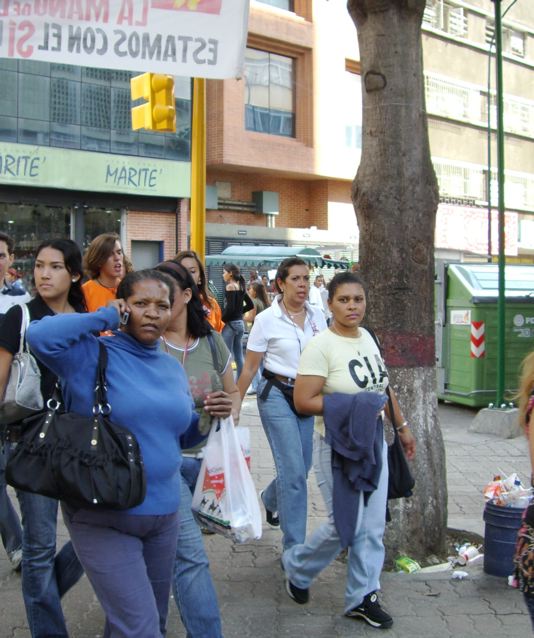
pixel 278 337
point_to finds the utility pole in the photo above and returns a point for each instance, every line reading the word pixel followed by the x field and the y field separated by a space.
pixel 501 307
pixel 198 169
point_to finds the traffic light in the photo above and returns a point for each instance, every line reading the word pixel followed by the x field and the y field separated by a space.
pixel 158 114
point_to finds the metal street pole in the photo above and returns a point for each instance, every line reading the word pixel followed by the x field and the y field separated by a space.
pixel 198 169
pixel 501 316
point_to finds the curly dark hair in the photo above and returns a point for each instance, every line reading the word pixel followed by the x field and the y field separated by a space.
pixel 126 286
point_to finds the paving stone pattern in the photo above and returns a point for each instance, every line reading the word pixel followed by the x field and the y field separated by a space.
pixel 250 585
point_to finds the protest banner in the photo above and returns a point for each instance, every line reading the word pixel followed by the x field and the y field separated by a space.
pixel 190 38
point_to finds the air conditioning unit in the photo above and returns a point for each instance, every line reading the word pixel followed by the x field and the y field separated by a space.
pixel 267 202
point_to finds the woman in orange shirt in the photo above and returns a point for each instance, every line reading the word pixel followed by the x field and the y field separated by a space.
pixel 191 262
pixel 105 264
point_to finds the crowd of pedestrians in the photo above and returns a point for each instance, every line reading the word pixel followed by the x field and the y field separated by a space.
pixel 320 383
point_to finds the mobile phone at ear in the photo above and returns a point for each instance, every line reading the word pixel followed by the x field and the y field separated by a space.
pixel 124 318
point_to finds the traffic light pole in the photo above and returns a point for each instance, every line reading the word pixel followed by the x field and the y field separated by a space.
pixel 198 169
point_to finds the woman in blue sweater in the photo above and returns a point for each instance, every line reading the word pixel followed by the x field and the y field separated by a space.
pixel 128 555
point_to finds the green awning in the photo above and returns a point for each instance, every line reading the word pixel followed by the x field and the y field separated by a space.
pixel 259 256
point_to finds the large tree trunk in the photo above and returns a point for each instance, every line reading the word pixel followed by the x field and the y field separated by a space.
pixel 395 196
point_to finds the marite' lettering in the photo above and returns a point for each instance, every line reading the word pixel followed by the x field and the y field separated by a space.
pixel 130 176
pixel 19 165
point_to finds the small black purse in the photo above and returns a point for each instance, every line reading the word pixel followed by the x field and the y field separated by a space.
pixel 88 462
pixel 401 481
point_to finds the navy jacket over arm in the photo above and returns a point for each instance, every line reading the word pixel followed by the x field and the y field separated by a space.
pixel 355 432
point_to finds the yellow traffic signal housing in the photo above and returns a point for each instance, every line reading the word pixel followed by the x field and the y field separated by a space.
pixel 159 113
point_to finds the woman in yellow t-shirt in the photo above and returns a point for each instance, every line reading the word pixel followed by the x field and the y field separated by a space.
pixel 105 264
pixel 343 361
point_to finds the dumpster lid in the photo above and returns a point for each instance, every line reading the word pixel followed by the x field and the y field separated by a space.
pixel 482 281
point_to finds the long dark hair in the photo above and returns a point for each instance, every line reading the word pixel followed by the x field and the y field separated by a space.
pixel 73 263
pixel 261 293
pixel 197 324
pixel 203 282
pixel 236 275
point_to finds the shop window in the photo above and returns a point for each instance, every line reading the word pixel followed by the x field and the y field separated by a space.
pixel 287 5
pixel 269 93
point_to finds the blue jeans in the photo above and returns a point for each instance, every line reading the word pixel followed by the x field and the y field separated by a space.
pixel 304 562
pixel 10 530
pixel 46 576
pixel 291 441
pixel 529 602
pixel 192 585
pixel 233 338
pixel 128 559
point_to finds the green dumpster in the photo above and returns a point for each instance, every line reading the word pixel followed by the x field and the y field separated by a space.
pixel 466 329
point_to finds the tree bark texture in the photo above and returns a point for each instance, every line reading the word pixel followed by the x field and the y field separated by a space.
pixel 395 196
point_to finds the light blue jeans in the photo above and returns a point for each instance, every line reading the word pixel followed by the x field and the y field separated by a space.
pixel 291 441
pixel 192 585
pixel 304 562
pixel 46 576
pixel 232 334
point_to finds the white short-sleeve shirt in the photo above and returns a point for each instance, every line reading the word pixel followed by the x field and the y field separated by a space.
pixel 282 340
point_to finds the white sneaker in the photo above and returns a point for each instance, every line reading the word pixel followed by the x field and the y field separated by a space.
pixel 15 558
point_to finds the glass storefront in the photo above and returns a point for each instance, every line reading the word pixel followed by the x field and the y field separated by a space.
pixel 84 108
pixel 31 224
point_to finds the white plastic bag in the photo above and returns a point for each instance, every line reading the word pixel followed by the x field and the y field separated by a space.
pixel 225 497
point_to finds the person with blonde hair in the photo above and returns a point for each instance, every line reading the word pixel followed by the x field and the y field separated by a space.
pixel 105 264
pixel 524 554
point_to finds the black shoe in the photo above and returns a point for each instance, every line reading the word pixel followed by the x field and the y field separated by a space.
pixel 271 517
pixel 300 596
pixel 370 611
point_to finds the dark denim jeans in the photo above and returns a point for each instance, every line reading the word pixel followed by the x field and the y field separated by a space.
pixel 46 576
pixel 192 584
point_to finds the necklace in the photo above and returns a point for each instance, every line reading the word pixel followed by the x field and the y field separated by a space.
pixel 356 336
pixel 104 285
pixel 295 314
pixel 185 348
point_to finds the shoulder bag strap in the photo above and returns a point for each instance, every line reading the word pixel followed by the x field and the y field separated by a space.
pixel 214 353
pixel 388 392
pixel 101 397
pixel 24 323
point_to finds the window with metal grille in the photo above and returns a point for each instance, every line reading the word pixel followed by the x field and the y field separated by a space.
pixel 447 17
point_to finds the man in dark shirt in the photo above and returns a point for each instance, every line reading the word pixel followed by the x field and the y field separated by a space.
pixel 9 295
pixel 10 529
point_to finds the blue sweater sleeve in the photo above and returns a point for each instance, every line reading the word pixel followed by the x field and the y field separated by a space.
pixel 52 338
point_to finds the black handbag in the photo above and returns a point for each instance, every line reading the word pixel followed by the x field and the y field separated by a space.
pixel 401 481
pixel 87 462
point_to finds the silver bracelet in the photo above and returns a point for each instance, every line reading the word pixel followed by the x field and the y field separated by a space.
pixel 401 427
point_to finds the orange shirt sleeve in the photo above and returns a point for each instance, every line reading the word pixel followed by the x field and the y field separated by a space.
pixel 97 296
pixel 215 315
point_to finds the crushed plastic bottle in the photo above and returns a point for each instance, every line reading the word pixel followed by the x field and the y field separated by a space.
pixel 407 564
